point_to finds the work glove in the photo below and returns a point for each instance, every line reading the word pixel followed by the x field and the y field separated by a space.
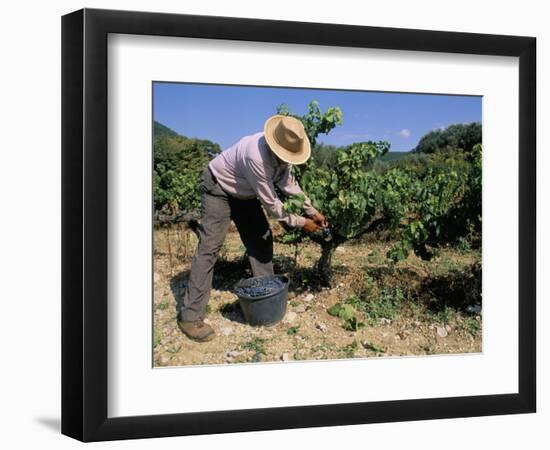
pixel 320 220
pixel 310 226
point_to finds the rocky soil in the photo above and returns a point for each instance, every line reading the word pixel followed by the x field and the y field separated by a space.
pixel 308 331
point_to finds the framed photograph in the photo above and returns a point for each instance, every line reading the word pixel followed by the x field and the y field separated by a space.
pixel 272 224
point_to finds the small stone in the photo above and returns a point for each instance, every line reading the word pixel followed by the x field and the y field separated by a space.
pixel 291 295
pixel 301 308
pixel 416 323
pixel 321 326
pixel 308 297
pixel 156 277
pixel 285 357
pixel 257 357
pixel 290 317
pixel 384 321
pixel 233 354
pixel 341 249
pixel 448 328
pixel 441 332
pixel 226 331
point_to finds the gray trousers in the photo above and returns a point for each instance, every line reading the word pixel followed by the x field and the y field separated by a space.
pixel 217 210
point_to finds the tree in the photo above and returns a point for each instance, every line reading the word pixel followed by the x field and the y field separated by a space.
pixel 339 183
pixel 178 162
pixel 346 194
pixel 454 137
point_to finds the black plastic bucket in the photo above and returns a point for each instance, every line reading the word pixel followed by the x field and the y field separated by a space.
pixel 263 309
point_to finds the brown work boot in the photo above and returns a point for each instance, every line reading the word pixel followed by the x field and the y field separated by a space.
pixel 197 330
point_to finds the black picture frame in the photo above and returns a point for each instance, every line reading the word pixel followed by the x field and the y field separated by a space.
pixel 84 224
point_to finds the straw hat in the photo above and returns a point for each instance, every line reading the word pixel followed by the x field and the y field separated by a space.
pixel 287 139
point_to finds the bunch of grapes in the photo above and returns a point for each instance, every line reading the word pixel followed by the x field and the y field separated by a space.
pixel 323 233
pixel 258 288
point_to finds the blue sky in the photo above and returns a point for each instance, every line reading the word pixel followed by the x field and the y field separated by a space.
pixel 224 114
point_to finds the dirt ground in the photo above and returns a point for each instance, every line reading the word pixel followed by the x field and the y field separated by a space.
pixel 308 331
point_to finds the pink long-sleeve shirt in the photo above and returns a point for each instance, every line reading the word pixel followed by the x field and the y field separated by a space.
pixel 249 169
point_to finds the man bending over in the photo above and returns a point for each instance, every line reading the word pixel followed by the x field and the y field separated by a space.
pixel 234 187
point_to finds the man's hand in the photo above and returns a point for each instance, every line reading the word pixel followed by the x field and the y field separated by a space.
pixel 310 226
pixel 320 220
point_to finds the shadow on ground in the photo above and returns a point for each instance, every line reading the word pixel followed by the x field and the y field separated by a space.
pixel 52 423
pixel 228 273
pixel 300 279
pixel 232 311
pixel 457 289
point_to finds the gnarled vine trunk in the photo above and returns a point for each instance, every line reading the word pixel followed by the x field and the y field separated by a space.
pixel 324 265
